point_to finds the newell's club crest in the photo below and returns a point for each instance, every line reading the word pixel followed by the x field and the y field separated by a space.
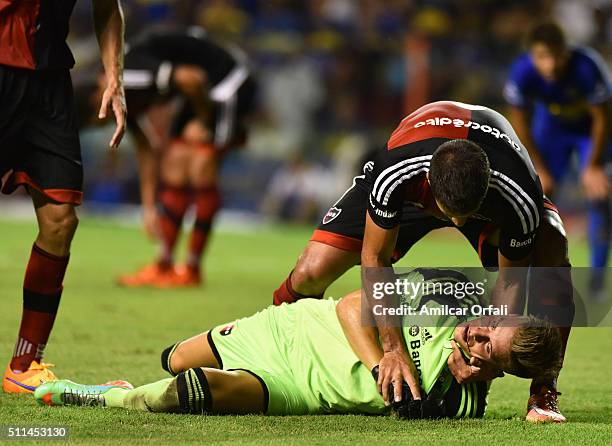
pixel 226 330
pixel 331 215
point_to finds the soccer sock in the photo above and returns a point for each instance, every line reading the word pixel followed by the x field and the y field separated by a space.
pixel 538 383
pixel 286 294
pixel 193 392
pixel 42 290
pixel 207 202
pixel 173 203
pixel 160 396
pixel 166 357
pixel 187 393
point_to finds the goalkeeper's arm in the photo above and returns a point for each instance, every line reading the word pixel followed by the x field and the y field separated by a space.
pixel 363 338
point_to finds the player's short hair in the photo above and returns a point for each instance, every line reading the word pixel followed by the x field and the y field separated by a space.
pixel 549 34
pixel 536 349
pixel 459 176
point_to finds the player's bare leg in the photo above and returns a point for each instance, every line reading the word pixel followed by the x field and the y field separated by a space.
pixel 174 199
pixel 41 293
pixel 190 353
pixel 318 266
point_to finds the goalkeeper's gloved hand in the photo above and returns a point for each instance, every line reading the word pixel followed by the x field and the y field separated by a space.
pixel 411 409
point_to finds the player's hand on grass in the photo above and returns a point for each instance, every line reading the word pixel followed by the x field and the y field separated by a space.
pixel 595 182
pixel 474 370
pixel 395 368
pixel 114 98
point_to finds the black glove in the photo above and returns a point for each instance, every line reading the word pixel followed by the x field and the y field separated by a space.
pixel 411 409
pixel 428 409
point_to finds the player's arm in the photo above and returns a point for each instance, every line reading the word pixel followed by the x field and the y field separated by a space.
pixel 148 168
pixel 510 287
pixel 362 336
pixel 395 366
pixel 109 25
pixel 519 118
pixel 593 176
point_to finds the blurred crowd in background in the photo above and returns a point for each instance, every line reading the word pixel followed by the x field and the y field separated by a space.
pixel 335 77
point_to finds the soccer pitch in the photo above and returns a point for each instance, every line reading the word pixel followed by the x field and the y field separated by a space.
pixel 105 332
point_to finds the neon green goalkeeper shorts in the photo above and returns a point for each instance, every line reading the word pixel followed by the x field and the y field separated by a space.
pixel 303 358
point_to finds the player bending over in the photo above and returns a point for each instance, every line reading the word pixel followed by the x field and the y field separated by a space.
pixel 189 99
pixel 447 164
pixel 316 357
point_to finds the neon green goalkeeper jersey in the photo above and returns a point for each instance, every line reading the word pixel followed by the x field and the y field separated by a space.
pixel 301 354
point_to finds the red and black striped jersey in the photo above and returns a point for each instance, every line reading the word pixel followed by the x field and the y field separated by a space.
pixel 514 201
pixel 33 34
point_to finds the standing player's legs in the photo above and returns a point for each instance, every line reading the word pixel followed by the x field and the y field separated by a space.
pixel 46 159
pixel 173 200
pixel 42 290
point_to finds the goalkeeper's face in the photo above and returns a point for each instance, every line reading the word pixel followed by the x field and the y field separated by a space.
pixel 488 341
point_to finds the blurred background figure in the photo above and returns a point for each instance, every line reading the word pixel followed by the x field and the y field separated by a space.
pixel 558 96
pixel 181 147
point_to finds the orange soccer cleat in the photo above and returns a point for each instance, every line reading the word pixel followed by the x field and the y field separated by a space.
pixel 185 277
pixel 151 275
pixel 28 381
pixel 543 408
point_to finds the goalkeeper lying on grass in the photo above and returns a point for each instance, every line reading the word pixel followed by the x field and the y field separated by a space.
pixel 316 357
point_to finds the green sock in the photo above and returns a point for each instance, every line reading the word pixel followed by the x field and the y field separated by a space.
pixel 114 397
pixel 160 396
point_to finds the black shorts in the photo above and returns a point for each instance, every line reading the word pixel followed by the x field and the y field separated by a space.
pixel 39 141
pixel 344 224
pixel 227 122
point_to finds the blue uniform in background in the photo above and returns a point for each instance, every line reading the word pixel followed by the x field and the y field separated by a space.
pixel 561 124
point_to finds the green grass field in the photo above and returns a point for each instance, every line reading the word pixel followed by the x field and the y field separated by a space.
pixel 105 332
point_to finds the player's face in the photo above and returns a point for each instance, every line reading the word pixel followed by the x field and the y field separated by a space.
pixel 487 340
pixel 550 63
